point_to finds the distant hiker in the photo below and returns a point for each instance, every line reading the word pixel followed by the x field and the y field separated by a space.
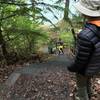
pixel 87 59
pixel 50 47
pixel 59 46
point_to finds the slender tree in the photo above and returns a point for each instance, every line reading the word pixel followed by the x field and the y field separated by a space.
pixel 67 19
pixel 2 41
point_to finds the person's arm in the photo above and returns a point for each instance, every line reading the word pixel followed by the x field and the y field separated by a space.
pixel 83 54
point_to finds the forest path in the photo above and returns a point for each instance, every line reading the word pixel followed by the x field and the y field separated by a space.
pixel 39 81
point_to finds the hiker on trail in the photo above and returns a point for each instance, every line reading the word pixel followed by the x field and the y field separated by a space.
pixel 50 47
pixel 87 58
pixel 59 46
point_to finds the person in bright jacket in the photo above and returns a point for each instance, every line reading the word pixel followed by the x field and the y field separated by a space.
pixel 60 46
pixel 87 57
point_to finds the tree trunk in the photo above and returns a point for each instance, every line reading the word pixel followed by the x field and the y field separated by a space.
pixel 67 20
pixel 3 45
pixel 2 41
pixel 66 10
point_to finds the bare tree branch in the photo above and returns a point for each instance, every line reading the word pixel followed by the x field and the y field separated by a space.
pixel 18 4
pixel 8 16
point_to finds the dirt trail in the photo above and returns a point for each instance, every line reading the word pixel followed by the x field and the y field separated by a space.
pixel 39 81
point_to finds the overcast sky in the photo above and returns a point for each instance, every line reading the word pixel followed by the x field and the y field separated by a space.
pixel 59 14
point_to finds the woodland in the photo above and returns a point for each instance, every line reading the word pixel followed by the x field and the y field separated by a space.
pixel 26 31
pixel 22 28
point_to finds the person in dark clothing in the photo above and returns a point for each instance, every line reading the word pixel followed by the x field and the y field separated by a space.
pixel 50 47
pixel 86 63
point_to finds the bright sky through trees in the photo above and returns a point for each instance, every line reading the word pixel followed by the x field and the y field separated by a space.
pixel 50 16
pixel 59 14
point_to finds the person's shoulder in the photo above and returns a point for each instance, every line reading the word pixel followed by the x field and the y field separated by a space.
pixel 86 33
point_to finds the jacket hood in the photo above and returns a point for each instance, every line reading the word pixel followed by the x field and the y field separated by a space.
pixel 93 28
